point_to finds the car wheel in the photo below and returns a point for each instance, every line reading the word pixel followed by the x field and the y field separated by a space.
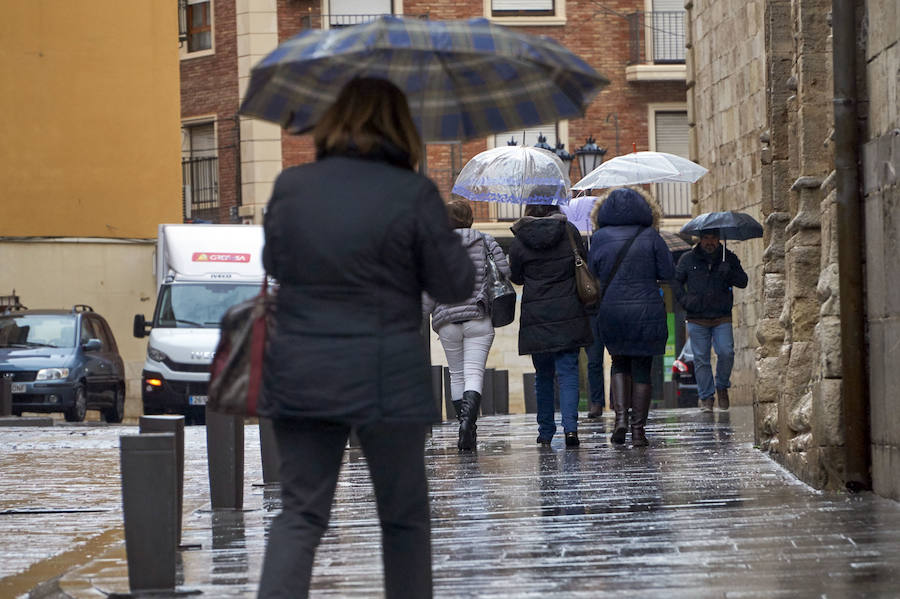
pixel 116 412
pixel 79 406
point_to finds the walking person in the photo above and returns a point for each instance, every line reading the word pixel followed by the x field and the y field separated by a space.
pixel 353 240
pixel 465 327
pixel 704 280
pixel 629 257
pixel 553 323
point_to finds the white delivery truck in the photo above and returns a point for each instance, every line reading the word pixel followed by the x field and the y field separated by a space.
pixel 201 271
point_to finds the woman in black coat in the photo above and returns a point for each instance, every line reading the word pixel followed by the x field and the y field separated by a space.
pixel 632 315
pixel 353 240
pixel 553 324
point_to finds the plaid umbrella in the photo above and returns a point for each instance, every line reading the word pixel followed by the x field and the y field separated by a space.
pixel 463 79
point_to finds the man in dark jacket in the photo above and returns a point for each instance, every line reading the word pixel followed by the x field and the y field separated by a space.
pixel 705 276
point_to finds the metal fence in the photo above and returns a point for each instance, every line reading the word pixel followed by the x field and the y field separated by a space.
pixel 675 198
pixel 319 21
pixel 656 37
pixel 200 177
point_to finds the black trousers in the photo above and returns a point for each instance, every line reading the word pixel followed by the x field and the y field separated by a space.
pixel 311 454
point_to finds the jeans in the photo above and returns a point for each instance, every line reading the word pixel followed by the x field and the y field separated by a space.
pixel 595 364
pixel 466 346
pixel 721 338
pixel 311 453
pixel 564 365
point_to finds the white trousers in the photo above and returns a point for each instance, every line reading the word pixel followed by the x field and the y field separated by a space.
pixel 466 346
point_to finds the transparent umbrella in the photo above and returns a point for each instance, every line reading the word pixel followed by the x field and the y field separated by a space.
pixel 641 167
pixel 516 175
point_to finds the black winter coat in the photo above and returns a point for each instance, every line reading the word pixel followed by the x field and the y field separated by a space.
pixel 632 315
pixel 353 241
pixel 551 317
pixel 703 285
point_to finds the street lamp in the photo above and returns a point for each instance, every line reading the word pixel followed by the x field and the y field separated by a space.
pixel 566 157
pixel 542 143
pixel 590 155
pixel 512 142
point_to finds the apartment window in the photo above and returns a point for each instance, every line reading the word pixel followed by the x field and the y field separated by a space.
pixel 343 13
pixel 200 171
pixel 198 19
pixel 523 137
pixel 667 31
pixel 671 135
pixel 523 8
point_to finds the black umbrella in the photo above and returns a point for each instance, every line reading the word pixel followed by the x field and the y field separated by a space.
pixel 736 226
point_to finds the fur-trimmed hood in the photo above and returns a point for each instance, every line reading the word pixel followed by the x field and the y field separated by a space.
pixel 620 207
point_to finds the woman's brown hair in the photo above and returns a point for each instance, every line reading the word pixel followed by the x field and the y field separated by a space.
pixel 460 214
pixel 541 210
pixel 367 112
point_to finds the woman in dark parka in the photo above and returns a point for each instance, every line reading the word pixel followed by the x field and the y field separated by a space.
pixel 353 240
pixel 553 324
pixel 632 315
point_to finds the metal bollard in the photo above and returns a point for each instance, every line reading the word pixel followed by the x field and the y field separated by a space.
pixel 225 458
pixel 487 393
pixel 437 385
pixel 5 396
pixel 268 449
pixel 529 391
pixel 448 397
pixel 174 425
pixel 149 509
pixel 501 392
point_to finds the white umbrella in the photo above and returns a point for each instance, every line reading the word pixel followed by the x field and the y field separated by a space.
pixel 641 167
pixel 516 175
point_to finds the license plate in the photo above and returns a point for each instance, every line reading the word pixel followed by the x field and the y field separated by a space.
pixel 197 400
pixel 18 387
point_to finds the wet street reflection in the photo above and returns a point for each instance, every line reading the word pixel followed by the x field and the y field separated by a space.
pixel 700 513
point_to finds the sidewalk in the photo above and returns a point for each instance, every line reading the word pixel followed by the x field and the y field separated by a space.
pixel 698 514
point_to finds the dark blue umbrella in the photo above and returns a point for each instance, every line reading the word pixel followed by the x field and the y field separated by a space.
pixel 736 226
pixel 463 79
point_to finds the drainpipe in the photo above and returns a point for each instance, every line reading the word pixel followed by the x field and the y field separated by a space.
pixel 850 243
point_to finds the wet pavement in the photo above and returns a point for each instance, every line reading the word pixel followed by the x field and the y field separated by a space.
pixel 700 513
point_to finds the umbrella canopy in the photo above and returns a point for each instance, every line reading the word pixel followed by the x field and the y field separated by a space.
pixel 578 211
pixel 674 242
pixel 463 79
pixel 516 175
pixel 641 167
pixel 736 226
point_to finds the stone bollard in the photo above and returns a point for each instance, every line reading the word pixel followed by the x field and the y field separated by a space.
pixel 487 393
pixel 528 390
pixel 149 509
pixel 174 425
pixel 501 392
pixel 225 458
pixel 268 450
pixel 5 396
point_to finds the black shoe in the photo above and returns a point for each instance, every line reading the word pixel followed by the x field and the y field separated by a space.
pixel 543 441
pixel 596 410
pixel 618 436
pixel 572 439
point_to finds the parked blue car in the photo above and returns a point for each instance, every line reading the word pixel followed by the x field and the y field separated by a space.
pixel 62 361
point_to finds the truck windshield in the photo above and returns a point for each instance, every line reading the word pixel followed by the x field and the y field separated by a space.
pixel 198 305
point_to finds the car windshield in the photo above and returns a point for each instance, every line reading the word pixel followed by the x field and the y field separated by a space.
pixel 198 305
pixel 37 330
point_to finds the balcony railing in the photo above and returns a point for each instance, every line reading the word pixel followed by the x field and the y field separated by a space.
pixel 675 198
pixel 656 37
pixel 200 178
pixel 319 21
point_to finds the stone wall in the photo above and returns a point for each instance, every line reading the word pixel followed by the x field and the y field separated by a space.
pixel 726 111
pixel 881 186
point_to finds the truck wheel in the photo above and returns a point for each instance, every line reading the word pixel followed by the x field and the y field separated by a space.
pixel 116 412
pixel 79 406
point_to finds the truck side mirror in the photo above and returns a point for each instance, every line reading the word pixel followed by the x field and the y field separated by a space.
pixel 140 327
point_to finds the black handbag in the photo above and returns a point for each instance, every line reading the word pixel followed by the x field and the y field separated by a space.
pixel 499 292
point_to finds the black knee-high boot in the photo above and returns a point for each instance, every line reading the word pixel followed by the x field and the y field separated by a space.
pixel 620 392
pixel 471 403
pixel 640 402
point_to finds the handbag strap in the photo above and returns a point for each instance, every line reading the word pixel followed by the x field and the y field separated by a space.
pixel 619 257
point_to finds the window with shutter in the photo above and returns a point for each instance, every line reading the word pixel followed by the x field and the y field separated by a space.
pixel 343 13
pixel 523 8
pixel 671 136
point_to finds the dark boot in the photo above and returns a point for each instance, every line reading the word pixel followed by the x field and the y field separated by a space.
pixel 722 395
pixel 640 408
pixel 620 396
pixel 596 410
pixel 471 402
pixel 457 407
